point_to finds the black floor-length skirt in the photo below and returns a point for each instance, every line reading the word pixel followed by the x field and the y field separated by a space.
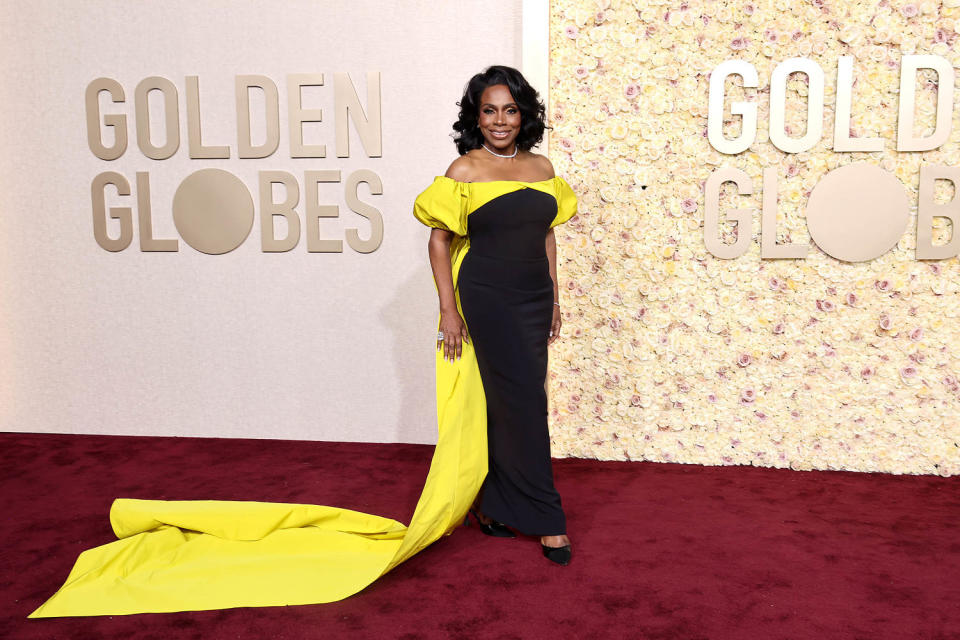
pixel 506 294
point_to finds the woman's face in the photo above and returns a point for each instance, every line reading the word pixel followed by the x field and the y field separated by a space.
pixel 499 118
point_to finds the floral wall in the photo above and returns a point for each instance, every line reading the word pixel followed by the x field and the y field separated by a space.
pixel 671 354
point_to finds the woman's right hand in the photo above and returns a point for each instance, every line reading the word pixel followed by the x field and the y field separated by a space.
pixel 454 334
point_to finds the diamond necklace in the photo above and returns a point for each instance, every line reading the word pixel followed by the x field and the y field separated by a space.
pixel 515 149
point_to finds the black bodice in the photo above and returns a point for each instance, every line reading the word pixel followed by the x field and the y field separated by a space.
pixel 512 226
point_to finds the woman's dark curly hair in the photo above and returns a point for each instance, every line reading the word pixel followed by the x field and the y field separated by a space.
pixel 467 134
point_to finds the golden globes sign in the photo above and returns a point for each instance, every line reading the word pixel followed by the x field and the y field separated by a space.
pixel 213 210
pixel 855 212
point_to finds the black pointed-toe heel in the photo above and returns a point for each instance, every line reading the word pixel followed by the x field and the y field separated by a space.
pixel 495 529
pixel 560 555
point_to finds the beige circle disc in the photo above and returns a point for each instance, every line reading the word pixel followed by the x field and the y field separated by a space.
pixel 213 211
pixel 857 212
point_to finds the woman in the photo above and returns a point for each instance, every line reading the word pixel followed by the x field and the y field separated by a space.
pixel 493 254
pixel 267 554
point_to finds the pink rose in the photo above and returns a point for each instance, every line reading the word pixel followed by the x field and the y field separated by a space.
pixel 747 396
pixel 744 360
pixel 572 32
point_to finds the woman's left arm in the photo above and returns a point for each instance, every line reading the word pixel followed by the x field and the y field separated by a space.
pixel 552 258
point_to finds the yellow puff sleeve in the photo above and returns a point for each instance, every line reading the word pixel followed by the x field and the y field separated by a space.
pixel 443 205
pixel 566 201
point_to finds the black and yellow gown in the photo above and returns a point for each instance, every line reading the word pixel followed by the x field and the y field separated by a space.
pixel 505 295
pixel 193 555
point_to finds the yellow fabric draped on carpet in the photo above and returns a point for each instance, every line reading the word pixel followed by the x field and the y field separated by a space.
pixel 194 555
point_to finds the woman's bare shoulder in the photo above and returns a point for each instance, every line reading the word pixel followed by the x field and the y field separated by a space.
pixel 543 165
pixel 461 169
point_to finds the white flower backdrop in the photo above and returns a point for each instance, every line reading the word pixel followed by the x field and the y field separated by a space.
pixel 671 354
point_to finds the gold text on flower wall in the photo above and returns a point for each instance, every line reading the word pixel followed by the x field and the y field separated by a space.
pixel 856 212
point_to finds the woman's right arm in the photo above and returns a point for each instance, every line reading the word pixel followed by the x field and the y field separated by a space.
pixel 451 324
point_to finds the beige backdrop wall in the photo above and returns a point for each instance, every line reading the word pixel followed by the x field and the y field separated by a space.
pixel 672 354
pixel 335 346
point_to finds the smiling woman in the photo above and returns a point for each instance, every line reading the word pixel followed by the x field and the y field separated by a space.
pixel 499 118
pixel 493 254
pixel 511 108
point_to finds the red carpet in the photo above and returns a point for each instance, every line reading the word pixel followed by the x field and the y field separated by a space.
pixel 661 551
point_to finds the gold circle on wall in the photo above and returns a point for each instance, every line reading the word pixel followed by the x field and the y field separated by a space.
pixel 857 212
pixel 213 211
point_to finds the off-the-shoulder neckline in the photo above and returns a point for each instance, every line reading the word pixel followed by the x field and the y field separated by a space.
pixel 501 181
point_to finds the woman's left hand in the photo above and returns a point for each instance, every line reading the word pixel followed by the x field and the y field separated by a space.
pixel 555 325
